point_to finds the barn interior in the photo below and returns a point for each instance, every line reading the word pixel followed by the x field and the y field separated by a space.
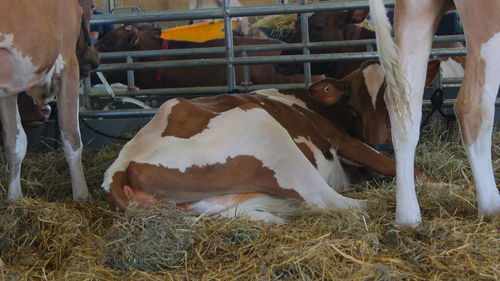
pixel 47 236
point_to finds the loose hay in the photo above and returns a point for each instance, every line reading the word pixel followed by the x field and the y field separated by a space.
pixel 52 238
pixel 33 232
pixel 279 27
pixel 148 240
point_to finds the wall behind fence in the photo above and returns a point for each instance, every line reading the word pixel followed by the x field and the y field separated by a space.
pixel 156 5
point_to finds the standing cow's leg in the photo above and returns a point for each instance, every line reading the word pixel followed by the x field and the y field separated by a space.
pixel 415 25
pixel 475 106
pixel 67 100
pixel 15 142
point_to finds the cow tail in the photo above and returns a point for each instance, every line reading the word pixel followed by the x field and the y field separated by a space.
pixel 396 90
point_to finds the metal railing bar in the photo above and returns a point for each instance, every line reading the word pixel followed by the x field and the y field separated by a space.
pixel 262 60
pixel 177 15
pixel 304 22
pixel 123 113
pixel 128 113
pixel 258 48
pixel 229 47
pixel 97 93
pixel 457 80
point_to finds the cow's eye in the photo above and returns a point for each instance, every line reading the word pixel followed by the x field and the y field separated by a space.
pixel 327 89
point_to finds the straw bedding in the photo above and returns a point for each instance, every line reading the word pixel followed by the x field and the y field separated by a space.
pixel 50 237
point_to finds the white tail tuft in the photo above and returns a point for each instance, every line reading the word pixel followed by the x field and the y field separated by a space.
pixel 396 90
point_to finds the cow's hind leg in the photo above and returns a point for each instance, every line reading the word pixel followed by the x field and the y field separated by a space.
pixel 416 22
pixel 475 106
pixel 15 142
pixel 70 131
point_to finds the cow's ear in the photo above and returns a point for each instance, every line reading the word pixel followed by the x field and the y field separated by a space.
pixel 327 91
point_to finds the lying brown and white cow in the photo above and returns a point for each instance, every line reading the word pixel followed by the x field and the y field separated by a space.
pixel 246 154
pixel 37 52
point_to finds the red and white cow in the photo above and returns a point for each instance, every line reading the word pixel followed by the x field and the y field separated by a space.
pixel 38 40
pixel 415 23
pixel 247 154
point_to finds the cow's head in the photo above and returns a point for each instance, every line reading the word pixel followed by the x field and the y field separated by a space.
pixel 325 26
pixel 88 56
pixel 362 93
pixel 32 115
pixel 130 37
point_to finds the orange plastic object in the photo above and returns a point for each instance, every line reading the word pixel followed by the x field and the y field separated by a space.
pixel 199 32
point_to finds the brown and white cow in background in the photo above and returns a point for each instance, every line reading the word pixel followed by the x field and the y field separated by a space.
pixel 415 24
pixel 37 53
pixel 247 154
pixel 130 38
pixel 346 25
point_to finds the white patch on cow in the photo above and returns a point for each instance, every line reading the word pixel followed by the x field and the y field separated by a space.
pixel 277 95
pixel 15 192
pixel 59 65
pixel 374 77
pixel 21 141
pixel 331 170
pixel 74 159
pixel 258 135
pixel 450 68
pixel 491 55
pixel 25 70
pixel 263 208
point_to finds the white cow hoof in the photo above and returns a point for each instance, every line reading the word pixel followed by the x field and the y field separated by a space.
pixel 14 197
pixel 356 204
pixel 84 196
pixel 412 222
pixel 489 212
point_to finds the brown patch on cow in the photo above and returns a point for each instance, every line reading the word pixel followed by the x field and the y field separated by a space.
pixel 249 106
pixel 469 104
pixel 187 120
pixel 433 67
pixel 241 174
pixel 308 153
